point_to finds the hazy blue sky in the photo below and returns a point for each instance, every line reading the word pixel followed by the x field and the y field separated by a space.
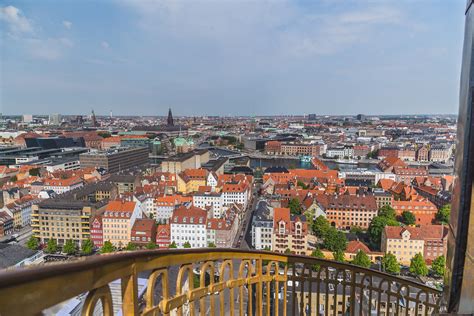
pixel 230 57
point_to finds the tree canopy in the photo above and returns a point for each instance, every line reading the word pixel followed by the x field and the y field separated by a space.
pixel 317 253
pixel 151 245
pixel 438 265
pixel 51 246
pixel 390 263
pixel 320 226
pixel 211 245
pixel 70 247
pixel 408 218
pixel 376 227
pixel 388 212
pixel 32 243
pixel 362 259
pixel 295 206
pixel 339 256
pixel 131 246
pixel 444 213
pixel 87 247
pixel 172 245
pixel 107 247
pixel 187 245
pixel 335 240
pixel 418 265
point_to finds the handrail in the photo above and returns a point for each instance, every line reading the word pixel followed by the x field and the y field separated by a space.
pixel 29 290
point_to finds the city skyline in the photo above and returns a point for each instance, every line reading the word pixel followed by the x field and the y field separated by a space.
pixel 232 59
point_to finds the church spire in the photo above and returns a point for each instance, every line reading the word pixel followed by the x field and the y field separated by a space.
pixel 170 118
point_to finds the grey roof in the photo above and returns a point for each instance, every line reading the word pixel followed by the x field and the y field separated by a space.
pixel 11 254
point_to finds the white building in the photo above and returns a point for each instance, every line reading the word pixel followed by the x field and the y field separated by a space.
pixel 205 199
pixel 262 226
pixel 188 224
pixel 237 193
pixel 63 185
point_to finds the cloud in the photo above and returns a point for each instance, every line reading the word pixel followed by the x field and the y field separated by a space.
pixel 104 44
pixel 15 19
pixel 67 24
pixel 47 49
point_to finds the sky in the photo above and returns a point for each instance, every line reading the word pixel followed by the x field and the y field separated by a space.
pixel 230 57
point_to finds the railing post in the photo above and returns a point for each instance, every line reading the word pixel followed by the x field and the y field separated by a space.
pixel 259 296
pixel 130 295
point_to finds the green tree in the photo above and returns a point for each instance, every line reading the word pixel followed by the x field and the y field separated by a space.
pixel 418 265
pixel 377 225
pixel 35 172
pixel 408 218
pixel 32 243
pixel 388 212
pixel 187 245
pixel 51 246
pixel 211 245
pixel 107 247
pixel 438 265
pixel 87 247
pixel 317 253
pixel 301 184
pixel 320 226
pixel 335 240
pixel 70 247
pixel 295 206
pixel 390 263
pixel 339 256
pixel 172 245
pixel 131 246
pixel 104 134
pixel 361 259
pixel 444 213
pixel 151 245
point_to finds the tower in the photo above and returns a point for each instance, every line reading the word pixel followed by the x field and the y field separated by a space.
pixel 94 120
pixel 170 118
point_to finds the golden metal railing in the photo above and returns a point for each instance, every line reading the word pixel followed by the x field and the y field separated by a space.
pixel 215 282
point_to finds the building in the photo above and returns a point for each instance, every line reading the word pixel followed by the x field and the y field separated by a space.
pixel 406 242
pixel 188 224
pixel 440 153
pixel 6 224
pixel 118 219
pixel 164 206
pixel 15 256
pixel 382 198
pixel 190 160
pixel 190 180
pixel 222 231
pixel 345 151
pixel 163 236
pixel 143 231
pixel 406 175
pixel 115 160
pixel 290 232
pixel 422 153
pixel 424 210
pixel 60 186
pixel 125 182
pixel 97 231
pixel 210 199
pixel 345 211
pixel 64 217
pixel 262 227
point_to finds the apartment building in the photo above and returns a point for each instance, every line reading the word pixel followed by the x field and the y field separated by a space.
pixel 60 186
pixel 188 224
pixel 424 210
pixel 143 231
pixel 210 199
pixel 118 219
pixel 290 232
pixel 262 226
pixel 164 206
pixel 406 242
pixel 190 180
pixel 163 236
pixel 440 153
pixel 115 160
pixel 345 211
pixel 97 231
pixel 190 160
